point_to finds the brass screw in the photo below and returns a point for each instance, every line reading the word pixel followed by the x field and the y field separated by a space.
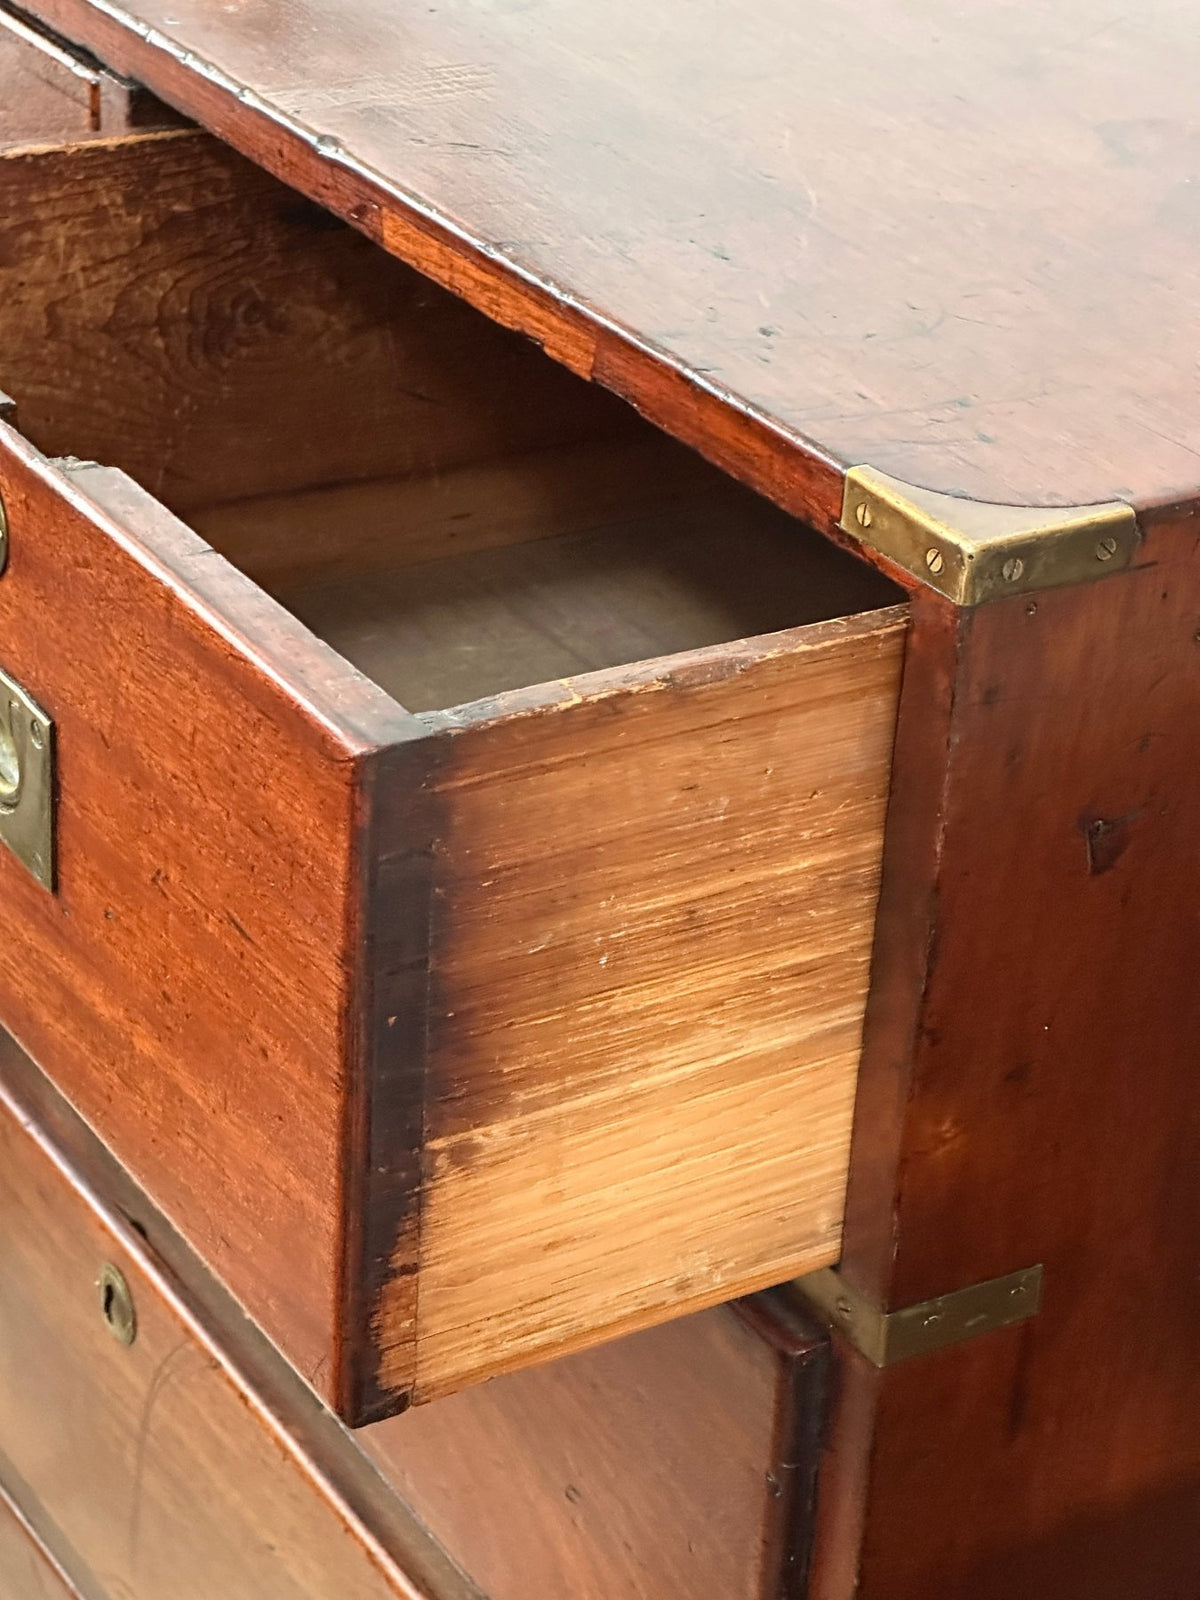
pixel 116 1304
pixel 863 513
pixel 934 559
pixel 1106 549
pixel 1012 569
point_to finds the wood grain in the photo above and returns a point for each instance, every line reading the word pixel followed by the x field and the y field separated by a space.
pixel 955 244
pixel 188 984
pixel 545 1221
pixel 652 913
pixel 27 1570
pixel 166 1474
pixel 133 1028
pixel 306 536
pixel 167 308
pixel 294 915
pixel 1043 1112
pixel 659 577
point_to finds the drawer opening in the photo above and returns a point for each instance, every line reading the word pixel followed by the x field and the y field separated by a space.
pixel 659 575
pixel 443 503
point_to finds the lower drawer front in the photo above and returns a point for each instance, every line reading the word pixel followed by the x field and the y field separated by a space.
pixel 164 1475
pixel 27 1571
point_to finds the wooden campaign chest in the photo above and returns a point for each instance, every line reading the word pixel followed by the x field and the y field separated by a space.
pixel 599 615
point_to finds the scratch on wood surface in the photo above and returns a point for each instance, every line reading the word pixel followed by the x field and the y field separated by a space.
pixel 157 1385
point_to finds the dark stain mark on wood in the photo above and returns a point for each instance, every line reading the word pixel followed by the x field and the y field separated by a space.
pixel 1107 839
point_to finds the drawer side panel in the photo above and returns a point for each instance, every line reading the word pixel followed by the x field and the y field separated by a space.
pixel 652 915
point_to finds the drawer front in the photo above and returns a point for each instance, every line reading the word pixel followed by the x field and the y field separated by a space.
pixel 165 1475
pixel 27 1571
pixel 536 1016
pixel 189 978
pixel 698 1483
pixel 50 91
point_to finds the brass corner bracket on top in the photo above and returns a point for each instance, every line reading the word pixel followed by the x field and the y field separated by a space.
pixel 972 551
pixel 886 1337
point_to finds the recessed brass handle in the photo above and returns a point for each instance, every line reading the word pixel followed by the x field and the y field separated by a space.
pixel 26 780
pixel 3 537
pixel 116 1304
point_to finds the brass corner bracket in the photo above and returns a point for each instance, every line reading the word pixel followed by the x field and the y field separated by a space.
pixel 886 1337
pixel 972 551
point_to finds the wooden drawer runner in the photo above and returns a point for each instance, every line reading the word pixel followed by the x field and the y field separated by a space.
pixel 465 879
pixel 50 90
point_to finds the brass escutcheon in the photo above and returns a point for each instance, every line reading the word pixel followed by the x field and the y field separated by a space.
pixel 116 1304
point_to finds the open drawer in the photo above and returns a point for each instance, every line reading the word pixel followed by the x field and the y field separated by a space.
pixel 457 897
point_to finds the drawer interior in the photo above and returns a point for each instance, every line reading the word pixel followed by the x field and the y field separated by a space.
pixel 454 512
pixel 443 620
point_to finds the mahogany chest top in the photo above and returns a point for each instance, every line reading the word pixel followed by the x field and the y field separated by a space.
pixel 955 244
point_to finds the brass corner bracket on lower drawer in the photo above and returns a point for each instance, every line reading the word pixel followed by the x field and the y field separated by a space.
pixel 886 1337
pixel 972 551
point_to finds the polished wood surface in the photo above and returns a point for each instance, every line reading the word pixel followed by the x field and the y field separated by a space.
pixel 955 243
pixel 672 1465
pixel 959 246
pixel 27 1570
pixel 188 982
pixel 164 1472
pixel 1029 1100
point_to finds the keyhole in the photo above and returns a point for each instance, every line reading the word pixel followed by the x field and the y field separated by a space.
pixel 116 1305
